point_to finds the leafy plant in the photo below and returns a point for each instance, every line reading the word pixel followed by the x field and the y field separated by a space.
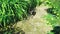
pixel 54 11
pixel 56 30
pixel 53 16
pixel 55 6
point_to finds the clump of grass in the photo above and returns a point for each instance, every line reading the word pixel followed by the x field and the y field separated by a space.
pixel 15 10
pixel 12 11
pixel 11 30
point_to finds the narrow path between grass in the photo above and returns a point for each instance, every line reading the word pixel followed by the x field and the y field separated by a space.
pixel 36 24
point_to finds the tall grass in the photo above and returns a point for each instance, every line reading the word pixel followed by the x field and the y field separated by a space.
pixel 12 11
pixel 15 10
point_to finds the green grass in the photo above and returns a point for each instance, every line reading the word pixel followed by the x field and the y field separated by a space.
pixel 15 10
pixel 11 30
pixel 53 12
pixel 12 11
pixel 53 16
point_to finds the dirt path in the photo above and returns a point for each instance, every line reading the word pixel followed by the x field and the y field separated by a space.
pixel 36 24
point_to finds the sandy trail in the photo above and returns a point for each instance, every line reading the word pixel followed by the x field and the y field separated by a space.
pixel 36 24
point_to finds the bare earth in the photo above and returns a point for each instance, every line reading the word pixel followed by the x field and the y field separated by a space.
pixel 36 24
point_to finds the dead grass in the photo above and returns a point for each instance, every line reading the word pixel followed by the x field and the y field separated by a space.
pixel 36 24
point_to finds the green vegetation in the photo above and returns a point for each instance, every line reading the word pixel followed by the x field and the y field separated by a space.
pixel 12 11
pixel 11 30
pixel 56 30
pixel 54 11
pixel 53 16
pixel 15 10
